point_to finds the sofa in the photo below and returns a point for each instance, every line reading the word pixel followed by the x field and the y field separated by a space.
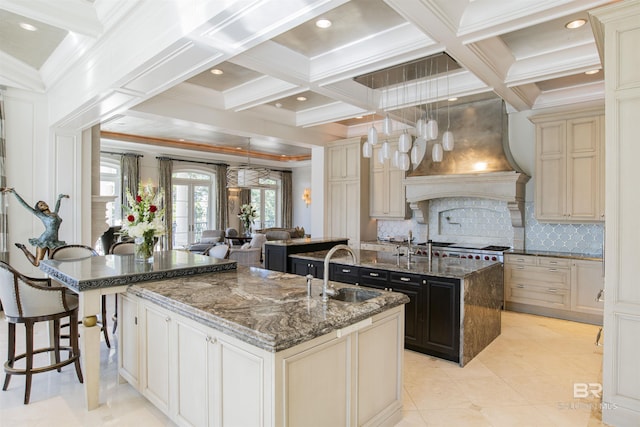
pixel 294 233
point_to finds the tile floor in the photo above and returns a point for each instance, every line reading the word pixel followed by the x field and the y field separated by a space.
pixel 524 378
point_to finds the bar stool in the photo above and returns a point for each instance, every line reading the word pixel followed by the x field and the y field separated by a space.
pixel 76 252
pixel 30 300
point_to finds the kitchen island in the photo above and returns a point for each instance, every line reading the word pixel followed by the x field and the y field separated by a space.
pixel 276 252
pixel 249 347
pixel 455 304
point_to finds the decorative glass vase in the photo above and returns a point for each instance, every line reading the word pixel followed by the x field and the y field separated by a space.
pixel 143 249
pixel 247 230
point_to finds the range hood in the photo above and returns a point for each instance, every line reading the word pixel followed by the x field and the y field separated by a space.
pixel 480 165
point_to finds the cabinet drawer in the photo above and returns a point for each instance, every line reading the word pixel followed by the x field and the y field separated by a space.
pixel 374 277
pixel 553 277
pixel 345 273
pixel 549 296
pixel 519 259
pixel 406 279
pixel 554 262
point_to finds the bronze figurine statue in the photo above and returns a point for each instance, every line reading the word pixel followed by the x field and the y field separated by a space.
pixel 48 240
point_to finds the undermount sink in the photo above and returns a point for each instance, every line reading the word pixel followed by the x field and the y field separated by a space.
pixel 354 295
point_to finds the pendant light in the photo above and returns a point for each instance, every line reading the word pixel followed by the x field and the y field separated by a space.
pixel 246 176
pixel 386 149
pixel 387 124
pixel 447 137
pixel 381 157
pixel 367 149
pixel 436 152
pixel 373 132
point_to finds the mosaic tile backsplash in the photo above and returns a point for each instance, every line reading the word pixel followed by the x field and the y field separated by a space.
pixel 483 220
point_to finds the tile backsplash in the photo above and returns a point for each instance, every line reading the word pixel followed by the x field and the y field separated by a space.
pixel 475 220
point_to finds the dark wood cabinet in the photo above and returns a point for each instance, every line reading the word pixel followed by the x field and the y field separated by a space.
pixel 276 256
pixel 411 286
pixel 344 273
pixel 441 318
pixel 303 267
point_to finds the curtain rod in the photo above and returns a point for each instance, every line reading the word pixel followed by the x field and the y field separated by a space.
pixel 190 161
pixel 120 154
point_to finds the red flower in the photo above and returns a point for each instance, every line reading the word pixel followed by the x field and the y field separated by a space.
pixel 131 218
pixel 153 208
pixel 138 199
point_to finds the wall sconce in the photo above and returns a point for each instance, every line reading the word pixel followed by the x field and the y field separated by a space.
pixel 306 196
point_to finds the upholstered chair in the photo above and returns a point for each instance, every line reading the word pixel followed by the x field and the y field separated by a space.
pixel 250 253
pixel 278 235
pixel 29 300
pixel 122 248
pixel 78 252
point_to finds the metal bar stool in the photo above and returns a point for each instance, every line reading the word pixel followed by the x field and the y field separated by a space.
pixel 30 300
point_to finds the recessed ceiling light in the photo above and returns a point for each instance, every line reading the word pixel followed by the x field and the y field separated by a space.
pixel 238 148
pixel 592 72
pixel 323 23
pixel 358 117
pixel 283 155
pixel 452 99
pixel 577 23
pixel 301 98
pixel 217 71
pixel 28 27
pixel 181 140
pixel 278 105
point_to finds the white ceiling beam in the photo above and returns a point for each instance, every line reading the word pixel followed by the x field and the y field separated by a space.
pixel 78 16
pixel 259 91
pixel 18 74
pixel 328 113
pixel 592 92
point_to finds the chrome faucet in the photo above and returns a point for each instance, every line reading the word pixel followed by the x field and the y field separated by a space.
pixel 409 253
pixel 326 292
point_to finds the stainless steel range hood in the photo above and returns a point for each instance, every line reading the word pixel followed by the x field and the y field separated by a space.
pixel 480 165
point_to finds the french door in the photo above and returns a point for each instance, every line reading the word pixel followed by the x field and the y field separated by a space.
pixel 265 201
pixel 192 206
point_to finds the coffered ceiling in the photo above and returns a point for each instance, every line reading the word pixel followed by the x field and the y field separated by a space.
pixel 294 85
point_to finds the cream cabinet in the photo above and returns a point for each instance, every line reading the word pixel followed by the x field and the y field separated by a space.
pixel 347 195
pixel 199 376
pixel 569 173
pixel 387 199
pixel 128 354
pixel 587 281
pixel 565 288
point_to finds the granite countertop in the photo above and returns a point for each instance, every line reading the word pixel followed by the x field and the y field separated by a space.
pixel 457 268
pixel 116 270
pixel 305 241
pixel 267 309
pixel 555 254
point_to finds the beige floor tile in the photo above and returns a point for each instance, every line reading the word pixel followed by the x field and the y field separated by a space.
pixel 520 416
pixel 490 391
pixel 437 394
pixel 411 419
pixel 467 417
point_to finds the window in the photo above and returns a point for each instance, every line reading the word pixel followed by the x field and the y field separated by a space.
pixel 193 205
pixel 110 186
pixel 267 200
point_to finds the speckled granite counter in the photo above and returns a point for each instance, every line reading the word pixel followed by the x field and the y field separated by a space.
pixel 306 241
pixel 267 309
pixel 457 268
pixel 116 270
pixel 555 254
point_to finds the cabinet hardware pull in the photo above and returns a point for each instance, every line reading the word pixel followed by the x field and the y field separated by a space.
pixel 553 269
pixel 167 319
pixel 405 279
pixel 553 262
pixel 598 336
pixel 520 267
pixel 552 290
pixel 424 282
pixel 374 274
pixel 520 259
pixel 135 320
pixel 600 296
pixel 520 286
pixel 211 340
pixel 346 270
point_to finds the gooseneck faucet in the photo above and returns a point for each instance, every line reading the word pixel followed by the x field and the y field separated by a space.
pixel 326 292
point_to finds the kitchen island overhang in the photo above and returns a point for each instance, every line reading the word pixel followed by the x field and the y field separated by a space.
pixel 249 347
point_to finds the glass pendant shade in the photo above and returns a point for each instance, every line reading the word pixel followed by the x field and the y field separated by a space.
pixel 404 143
pixel 395 159
pixel 366 149
pixel 447 141
pixel 432 129
pixel 403 161
pixel 436 152
pixel 380 157
pixel 373 135
pixel 387 125
pixel 386 150
pixel 418 151
pixel 420 126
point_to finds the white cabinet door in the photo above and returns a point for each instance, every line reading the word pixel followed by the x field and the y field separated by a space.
pixel 586 282
pixel 583 169
pixel 316 383
pixel 550 176
pixel 380 352
pixel 156 350
pixel 128 347
pixel 191 391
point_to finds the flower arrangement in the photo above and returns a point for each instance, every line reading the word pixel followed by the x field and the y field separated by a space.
pixel 247 215
pixel 144 219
